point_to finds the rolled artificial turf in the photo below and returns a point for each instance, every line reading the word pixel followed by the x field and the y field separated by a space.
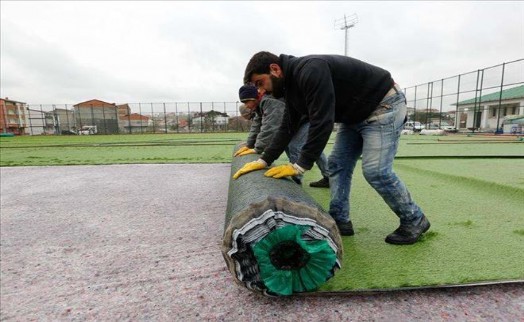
pixel 289 264
pixel 277 240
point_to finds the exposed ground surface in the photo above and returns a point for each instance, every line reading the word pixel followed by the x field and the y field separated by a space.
pixel 141 242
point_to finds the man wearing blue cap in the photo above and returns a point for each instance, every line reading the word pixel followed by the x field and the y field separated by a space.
pixel 268 116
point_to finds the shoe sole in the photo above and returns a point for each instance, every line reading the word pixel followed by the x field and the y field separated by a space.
pixel 411 242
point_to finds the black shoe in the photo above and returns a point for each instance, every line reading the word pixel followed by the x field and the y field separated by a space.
pixel 297 180
pixel 346 228
pixel 322 183
pixel 408 234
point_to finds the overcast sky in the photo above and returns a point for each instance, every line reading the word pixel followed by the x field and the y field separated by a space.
pixel 131 51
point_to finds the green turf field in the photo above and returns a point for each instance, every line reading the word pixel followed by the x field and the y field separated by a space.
pixel 470 187
pixel 477 232
pixel 118 149
pixel 210 148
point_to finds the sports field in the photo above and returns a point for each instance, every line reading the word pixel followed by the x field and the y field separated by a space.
pixel 142 240
pixel 215 148
pixel 471 188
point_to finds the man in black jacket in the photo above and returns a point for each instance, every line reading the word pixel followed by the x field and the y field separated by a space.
pixel 371 110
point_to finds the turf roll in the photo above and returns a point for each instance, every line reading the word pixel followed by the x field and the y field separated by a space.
pixel 277 240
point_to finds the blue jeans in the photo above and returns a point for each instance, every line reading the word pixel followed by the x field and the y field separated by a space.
pixel 376 140
pixel 295 146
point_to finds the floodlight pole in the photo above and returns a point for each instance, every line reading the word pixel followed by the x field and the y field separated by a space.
pixel 344 24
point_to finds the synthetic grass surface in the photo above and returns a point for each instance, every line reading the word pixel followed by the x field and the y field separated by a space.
pixel 209 148
pixel 475 206
pixel 118 149
pixel 476 234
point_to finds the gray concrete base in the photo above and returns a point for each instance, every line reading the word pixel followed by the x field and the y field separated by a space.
pixel 142 242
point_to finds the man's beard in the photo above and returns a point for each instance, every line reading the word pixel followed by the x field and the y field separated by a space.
pixel 278 86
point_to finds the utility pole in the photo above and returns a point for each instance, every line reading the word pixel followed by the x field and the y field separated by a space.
pixel 344 24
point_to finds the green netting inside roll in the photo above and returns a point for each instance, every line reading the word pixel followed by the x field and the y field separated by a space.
pixel 289 264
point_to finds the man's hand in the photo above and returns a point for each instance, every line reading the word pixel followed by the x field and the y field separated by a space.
pixel 250 166
pixel 286 170
pixel 244 151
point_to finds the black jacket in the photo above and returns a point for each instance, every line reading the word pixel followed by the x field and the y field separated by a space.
pixel 325 89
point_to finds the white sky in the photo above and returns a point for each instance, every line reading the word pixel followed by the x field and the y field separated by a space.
pixel 169 51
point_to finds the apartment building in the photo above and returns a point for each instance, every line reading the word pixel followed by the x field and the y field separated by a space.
pixel 13 116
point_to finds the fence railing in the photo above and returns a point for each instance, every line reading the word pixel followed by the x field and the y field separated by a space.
pixel 132 118
pixel 475 101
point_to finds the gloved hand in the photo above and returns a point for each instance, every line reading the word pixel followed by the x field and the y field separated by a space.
pixel 286 170
pixel 244 151
pixel 250 166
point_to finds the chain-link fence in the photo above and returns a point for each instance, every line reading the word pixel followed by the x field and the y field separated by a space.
pixel 486 100
pixel 97 117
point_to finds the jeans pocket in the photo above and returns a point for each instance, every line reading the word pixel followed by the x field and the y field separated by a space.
pixel 383 115
pixel 386 118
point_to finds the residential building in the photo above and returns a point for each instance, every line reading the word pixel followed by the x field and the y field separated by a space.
pixel 97 113
pixel 13 116
pixel 65 119
pixel 213 120
pixel 488 112
pixel 132 122
pixel 40 122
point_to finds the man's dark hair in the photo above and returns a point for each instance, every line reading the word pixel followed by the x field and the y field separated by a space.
pixel 259 64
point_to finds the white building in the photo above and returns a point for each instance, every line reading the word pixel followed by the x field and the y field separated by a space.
pixel 40 122
pixel 488 112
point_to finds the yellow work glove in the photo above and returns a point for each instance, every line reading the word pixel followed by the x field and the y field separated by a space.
pixel 286 170
pixel 250 166
pixel 244 151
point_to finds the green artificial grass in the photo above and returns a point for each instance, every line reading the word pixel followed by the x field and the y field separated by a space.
pixel 476 210
pixel 118 149
pixel 210 148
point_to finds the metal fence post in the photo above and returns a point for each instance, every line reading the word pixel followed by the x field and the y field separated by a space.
pixel 212 116
pixel 129 122
pixel 500 98
pixel 104 117
pixel 30 123
pixel 428 100
pixel 152 119
pixel 92 115
pixel 140 113
pixel 43 119
pixel 441 99
pixel 201 117
pixel 457 116
pixel 415 105
pixel 188 118
pixel 476 110
pixel 165 119
pixel 176 117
